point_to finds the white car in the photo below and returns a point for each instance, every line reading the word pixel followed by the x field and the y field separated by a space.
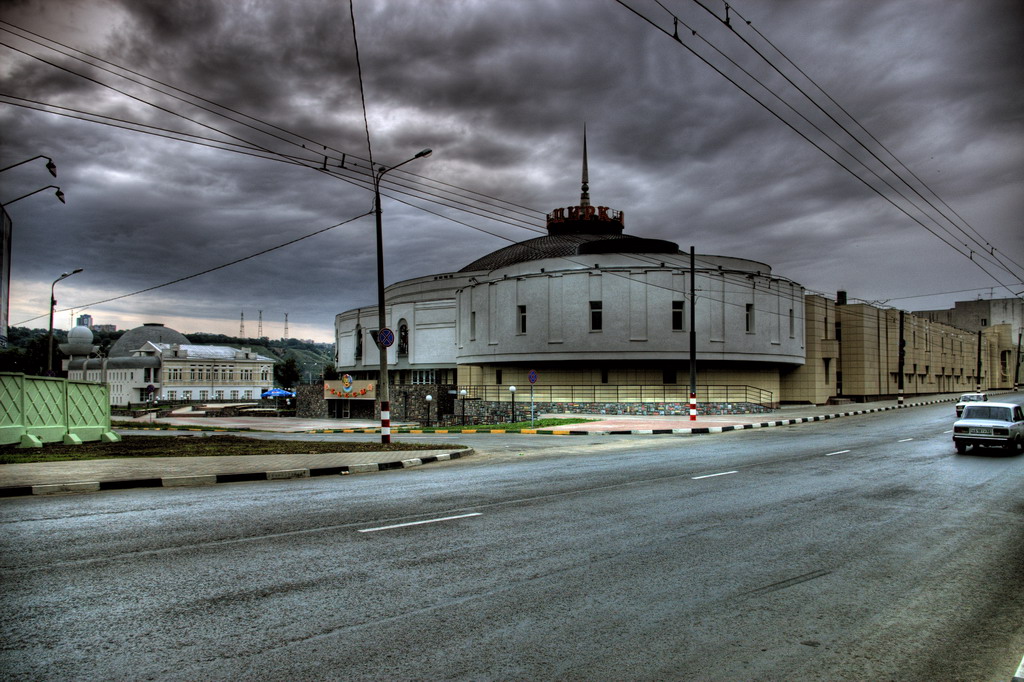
pixel 994 424
pixel 968 398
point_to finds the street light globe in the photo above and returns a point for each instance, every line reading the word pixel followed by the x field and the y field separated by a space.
pixel 463 393
pixel 512 389
pixel 429 398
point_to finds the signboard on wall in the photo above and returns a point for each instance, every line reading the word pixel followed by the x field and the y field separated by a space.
pixel 346 388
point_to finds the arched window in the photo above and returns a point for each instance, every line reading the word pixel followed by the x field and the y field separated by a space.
pixel 359 343
pixel 403 338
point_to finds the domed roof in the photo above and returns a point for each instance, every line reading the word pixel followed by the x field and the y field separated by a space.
pixel 137 338
pixel 579 230
pixel 80 334
pixel 568 245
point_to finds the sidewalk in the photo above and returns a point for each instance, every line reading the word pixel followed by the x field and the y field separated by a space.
pixel 113 474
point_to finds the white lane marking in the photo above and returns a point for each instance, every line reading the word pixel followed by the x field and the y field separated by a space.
pixel 724 473
pixel 418 523
pixel 837 452
pixel 945 432
pixel 904 440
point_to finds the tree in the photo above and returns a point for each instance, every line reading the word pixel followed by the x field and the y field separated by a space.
pixel 286 373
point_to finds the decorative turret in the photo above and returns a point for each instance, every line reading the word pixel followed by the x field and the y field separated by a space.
pixel 585 219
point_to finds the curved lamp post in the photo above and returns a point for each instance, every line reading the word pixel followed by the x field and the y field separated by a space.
pixel 53 304
pixel 512 390
pixel 59 194
pixel 50 165
pixel 429 398
pixel 382 381
pixel 462 396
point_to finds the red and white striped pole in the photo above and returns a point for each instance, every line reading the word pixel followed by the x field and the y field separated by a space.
pixel 693 407
pixel 385 422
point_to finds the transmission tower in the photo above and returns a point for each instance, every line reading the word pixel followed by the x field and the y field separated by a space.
pixel 259 327
pixel 241 326
pixel 286 325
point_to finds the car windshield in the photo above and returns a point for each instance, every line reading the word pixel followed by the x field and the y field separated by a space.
pixel 971 397
pixel 987 412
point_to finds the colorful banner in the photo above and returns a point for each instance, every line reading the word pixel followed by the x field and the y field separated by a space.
pixel 347 388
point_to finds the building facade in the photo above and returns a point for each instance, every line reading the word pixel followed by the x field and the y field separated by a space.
pixel 600 320
pixel 589 319
pixel 142 369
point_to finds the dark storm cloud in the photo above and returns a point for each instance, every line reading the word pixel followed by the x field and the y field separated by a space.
pixel 500 91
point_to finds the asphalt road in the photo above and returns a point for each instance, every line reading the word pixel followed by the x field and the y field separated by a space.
pixel 856 549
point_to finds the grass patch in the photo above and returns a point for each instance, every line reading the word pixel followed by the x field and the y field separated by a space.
pixel 195 446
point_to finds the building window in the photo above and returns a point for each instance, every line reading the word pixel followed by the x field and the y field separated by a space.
pixel 359 343
pixel 604 376
pixel 172 395
pixel 403 339
pixel 792 325
pixel 497 376
pixel 668 376
pixel 521 317
pixel 596 323
pixel 750 318
pixel 186 395
pixel 204 395
pixel 678 315
pixel 423 376
pixel 472 325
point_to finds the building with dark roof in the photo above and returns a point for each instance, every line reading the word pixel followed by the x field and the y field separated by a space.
pixel 597 317
pixel 154 362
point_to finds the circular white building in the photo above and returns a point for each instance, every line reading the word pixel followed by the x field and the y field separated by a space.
pixel 601 319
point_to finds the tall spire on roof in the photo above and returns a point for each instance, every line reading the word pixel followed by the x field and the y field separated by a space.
pixel 585 195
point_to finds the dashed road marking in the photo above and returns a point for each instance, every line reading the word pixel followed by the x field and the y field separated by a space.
pixel 418 523
pixel 904 440
pixel 724 473
pixel 837 452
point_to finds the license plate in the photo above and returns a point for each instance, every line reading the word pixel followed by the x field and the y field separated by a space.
pixel 980 431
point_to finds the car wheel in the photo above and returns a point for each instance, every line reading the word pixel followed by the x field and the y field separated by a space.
pixel 961 448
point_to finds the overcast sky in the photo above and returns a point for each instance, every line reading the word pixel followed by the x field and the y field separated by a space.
pixel 500 90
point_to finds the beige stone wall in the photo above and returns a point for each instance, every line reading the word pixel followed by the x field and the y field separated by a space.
pixel 939 358
pixel 815 380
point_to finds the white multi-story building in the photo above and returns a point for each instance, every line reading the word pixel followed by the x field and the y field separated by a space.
pixel 154 362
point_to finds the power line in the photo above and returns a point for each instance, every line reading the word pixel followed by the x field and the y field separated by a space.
pixel 675 36
pixel 208 270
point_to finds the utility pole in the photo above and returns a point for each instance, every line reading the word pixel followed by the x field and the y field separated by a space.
pixel 979 362
pixel 241 326
pixel 693 338
pixel 901 364
pixel 1016 368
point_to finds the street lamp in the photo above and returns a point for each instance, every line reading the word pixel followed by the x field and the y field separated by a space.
pixel 462 396
pixel 58 194
pixel 429 398
pixel 382 381
pixel 53 304
pixel 512 390
pixel 50 165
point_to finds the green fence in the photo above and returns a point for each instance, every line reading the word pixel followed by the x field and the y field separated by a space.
pixel 37 410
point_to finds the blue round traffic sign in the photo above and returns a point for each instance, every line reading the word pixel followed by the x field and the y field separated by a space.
pixel 533 376
pixel 386 337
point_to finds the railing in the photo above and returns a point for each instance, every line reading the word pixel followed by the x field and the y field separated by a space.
pixel 609 393
pixel 36 410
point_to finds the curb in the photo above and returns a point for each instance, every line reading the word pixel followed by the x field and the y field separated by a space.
pixel 211 479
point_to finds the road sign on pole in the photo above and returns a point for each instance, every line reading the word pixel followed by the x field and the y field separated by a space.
pixel 386 337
